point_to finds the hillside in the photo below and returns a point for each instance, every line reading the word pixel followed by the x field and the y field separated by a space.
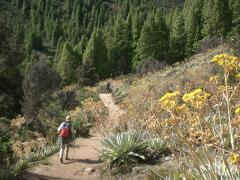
pixel 56 56
pixel 183 106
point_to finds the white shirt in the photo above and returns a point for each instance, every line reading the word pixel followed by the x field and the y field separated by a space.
pixel 61 126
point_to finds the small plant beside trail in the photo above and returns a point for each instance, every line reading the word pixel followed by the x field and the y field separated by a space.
pixel 127 149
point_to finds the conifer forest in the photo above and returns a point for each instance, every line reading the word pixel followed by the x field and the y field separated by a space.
pixel 54 52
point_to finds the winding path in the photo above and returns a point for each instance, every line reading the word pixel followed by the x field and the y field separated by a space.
pixel 84 160
pixel 114 110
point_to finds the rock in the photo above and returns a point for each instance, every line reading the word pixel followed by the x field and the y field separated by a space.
pixel 139 170
pixel 89 170
pixel 168 158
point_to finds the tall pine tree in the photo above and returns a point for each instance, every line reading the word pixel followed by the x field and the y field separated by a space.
pixel 153 42
pixel 96 54
pixel 177 37
pixel 67 64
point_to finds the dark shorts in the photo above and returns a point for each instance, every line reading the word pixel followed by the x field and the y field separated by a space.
pixel 64 141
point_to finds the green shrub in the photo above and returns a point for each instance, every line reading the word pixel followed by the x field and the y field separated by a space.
pixel 18 168
pixel 156 149
pixel 15 170
pixel 217 168
pixel 41 154
pixel 119 94
pixel 81 128
pixel 129 148
pixel 66 98
pixel 102 88
pixel 83 94
pixel 5 142
pixel 123 148
pixel 157 144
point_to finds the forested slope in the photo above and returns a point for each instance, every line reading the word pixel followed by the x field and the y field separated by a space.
pixel 46 46
pixel 112 37
pixel 88 40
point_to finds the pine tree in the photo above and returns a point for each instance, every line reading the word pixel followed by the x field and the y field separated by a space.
pixel 25 8
pixel 57 32
pixel 153 42
pixel 177 37
pixel 122 46
pixel 131 28
pixel 38 85
pixel 222 17
pixel 193 25
pixel 96 54
pixel 86 74
pixel 58 51
pixel 137 23
pixel 235 9
pixel 67 64
pixel 217 18
pixel 81 46
pixel 33 41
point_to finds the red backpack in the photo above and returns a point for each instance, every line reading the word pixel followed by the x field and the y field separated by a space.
pixel 66 130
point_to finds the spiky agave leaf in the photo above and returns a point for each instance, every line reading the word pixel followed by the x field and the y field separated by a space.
pixel 123 147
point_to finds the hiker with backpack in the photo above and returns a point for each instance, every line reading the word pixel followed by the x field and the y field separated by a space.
pixel 108 87
pixel 65 131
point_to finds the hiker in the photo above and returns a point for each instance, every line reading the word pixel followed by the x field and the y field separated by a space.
pixel 65 131
pixel 108 89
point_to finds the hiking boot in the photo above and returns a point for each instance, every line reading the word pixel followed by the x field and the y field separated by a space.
pixel 67 158
pixel 61 160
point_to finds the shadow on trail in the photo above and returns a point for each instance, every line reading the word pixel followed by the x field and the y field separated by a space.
pixel 34 176
pixel 87 161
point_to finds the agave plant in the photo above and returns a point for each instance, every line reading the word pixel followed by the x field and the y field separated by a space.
pixel 156 149
pixel 126 147
pixel 218 169
pixel 157 144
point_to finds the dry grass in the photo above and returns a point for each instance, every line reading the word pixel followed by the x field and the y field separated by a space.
pixel 185 124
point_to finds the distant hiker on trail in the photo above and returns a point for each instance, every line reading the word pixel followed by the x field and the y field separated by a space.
pixel 108 89
pixel 65 131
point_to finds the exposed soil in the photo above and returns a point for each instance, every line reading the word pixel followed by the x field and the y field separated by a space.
pixel 82 165
pixel 114 110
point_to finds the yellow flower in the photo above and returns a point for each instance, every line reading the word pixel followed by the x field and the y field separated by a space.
pixel 238 76
pixel 196 98
pixel 234 158
pixel 214 78
pixel 169 100
pixel 237 111
pixel 229 63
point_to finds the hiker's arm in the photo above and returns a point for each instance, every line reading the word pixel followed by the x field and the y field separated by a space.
pixel 60 127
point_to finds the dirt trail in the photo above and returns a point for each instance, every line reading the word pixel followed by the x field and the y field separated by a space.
pixel 114 110
pixel 84 159
pixel 82 164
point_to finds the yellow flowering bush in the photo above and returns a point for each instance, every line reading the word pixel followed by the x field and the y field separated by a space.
pixel 237 76
pixel 191 110
pixel 168 101
pixel 237 111
pixel 229 63
pixel 214 79
pixel 196 98
pixel 189 116
pixel 234 158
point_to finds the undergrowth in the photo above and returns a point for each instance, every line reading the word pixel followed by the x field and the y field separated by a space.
pixel 195 108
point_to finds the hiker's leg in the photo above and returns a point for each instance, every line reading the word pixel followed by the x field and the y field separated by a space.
pixel 61 147
pixel 67 150
pixel 62 150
